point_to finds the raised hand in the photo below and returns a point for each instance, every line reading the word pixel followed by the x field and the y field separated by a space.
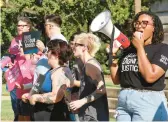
pixel 40 45
pixel 138 40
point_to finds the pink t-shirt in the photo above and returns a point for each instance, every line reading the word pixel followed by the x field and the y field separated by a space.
pixel 27 70
pixel 13 49
pixel 26 66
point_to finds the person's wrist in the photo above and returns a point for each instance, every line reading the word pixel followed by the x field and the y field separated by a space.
pixel 34 97
pixel 140 48
pixel 115 60
pixel 114 64
pixel 113 54
pixel 28 97
pixel 44 50
pixel 85 100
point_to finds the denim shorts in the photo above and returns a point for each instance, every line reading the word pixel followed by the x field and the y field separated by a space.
pixel 137 105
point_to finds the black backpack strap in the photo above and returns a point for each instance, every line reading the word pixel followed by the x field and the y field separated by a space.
pixel 111 46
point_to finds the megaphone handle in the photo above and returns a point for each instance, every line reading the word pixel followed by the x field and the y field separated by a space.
pixel 111 46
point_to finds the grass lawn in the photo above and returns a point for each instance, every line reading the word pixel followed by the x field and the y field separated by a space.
pixel 7 113
pixel 109 82
pixel 6 110
pixel 4 91
pixel 6 107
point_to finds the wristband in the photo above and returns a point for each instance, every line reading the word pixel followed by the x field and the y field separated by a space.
pixel 45 50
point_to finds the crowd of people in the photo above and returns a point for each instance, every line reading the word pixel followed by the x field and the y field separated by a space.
pixel 77 92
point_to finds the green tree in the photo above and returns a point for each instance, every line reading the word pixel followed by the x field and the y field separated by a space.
pixel 76 15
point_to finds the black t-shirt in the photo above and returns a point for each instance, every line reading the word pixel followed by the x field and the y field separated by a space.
pixel 129 74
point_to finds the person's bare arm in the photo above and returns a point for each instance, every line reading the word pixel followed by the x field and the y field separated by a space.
pixel 151 73
pixel 114 73
pixel 58 89
pixel 77 83
pixel 94 72
pixel 114 66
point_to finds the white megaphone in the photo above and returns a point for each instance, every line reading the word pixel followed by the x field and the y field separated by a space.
pixel 102 23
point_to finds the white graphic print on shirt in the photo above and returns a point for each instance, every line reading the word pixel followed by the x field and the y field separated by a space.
pixel 130 63
pixel 164 59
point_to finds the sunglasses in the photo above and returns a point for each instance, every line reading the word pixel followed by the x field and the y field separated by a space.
pixel 77 44
pixel 143 24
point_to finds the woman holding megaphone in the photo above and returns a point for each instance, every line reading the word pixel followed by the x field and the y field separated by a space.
pixel 141 72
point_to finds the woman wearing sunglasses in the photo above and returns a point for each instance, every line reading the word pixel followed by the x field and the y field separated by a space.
pixel 92 104
pixel 49 105
pixel 141 72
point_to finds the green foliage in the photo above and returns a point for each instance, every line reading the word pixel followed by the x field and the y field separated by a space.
pixel 101 56
pixel 120 10
pixel 76 15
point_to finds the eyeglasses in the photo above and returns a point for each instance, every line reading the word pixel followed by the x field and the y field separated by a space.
pixel 143 24
pixel 77 44
pixel 21 25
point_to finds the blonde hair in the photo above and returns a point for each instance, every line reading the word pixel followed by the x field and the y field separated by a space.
pixel 90 40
